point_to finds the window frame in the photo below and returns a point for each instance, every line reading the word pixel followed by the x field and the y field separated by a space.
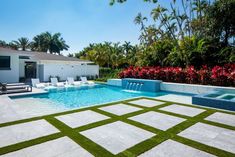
pixel 9 67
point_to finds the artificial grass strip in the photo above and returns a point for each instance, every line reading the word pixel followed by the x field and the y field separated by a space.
pixel 144 146
pixel 97 150
pixel 94 125
pixel 218 124
pixel 203 147
pixel 84 142
pixel 29 143
pixel 20 121
pixel 172 114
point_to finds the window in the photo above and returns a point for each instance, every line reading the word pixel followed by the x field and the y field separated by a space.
pixel 5 62
pixel 24 57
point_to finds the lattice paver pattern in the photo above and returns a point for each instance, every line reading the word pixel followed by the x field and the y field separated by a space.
pixel 137 127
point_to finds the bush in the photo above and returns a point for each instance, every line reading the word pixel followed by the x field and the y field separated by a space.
pixel 107 73
pixel 218 75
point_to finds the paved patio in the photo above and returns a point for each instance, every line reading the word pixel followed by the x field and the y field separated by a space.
pixel 141 127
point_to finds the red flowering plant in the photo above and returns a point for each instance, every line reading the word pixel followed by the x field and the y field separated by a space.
pixel 204 75
pixel 179 75
pixel 191 75
pixel 223 75
pixel 218 75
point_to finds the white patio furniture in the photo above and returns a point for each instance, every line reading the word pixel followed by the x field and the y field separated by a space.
pixel 72 82
pixel 54 82
pixel 85 81
pixel 36 83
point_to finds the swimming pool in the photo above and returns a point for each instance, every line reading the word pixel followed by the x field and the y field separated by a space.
pixel 77 97
pixel 217 99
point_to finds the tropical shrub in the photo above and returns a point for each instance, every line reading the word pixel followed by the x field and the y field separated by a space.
pixel 107 73
pixel 217 75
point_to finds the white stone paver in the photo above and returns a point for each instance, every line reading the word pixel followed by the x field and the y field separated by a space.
pixel 146 102
pixel 183 110
pixel 25 131
pixel 172 148
pixel 62 147
pixel 120 109
pixel 81 118
pixel 23 108
pixel 222 118
pixel 157 120
pixel 176 98
pixel 214 136
pixel 12 109
pixel 118 136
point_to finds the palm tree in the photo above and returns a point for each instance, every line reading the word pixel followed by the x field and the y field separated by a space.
pixel 3 43
pixel 139 20
pixel 22 43
pixel 13 46
pixel 127 47
pixel 39 43
pixel 48 42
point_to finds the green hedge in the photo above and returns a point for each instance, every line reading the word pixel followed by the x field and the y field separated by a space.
pixel 108 73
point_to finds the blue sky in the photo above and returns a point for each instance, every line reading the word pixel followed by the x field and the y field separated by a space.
pixel 80 21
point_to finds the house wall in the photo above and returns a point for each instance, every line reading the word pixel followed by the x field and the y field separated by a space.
pixel 64 70
pixel 12 75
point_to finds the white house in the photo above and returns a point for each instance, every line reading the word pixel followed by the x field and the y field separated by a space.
pixel 15 65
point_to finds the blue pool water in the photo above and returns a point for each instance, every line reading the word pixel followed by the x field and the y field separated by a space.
pixel 87 95
pixel 217 99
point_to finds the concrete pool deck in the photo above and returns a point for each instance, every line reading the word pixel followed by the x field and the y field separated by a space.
pixel 12 110
pixel 18 109
pixel 136 127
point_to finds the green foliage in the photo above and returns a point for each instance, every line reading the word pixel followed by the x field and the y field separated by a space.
pixel 190 51
pixel 112 2
pixel 3 43
pixel 43 42
pixel 222 20
pixel 22 43
pixel 53 43
pixel 107 73
pixel 199 32
pixel 106 54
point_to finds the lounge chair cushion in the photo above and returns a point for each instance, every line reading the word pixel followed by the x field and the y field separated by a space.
pixel 60 84
pixel 40 85
pixel 77 83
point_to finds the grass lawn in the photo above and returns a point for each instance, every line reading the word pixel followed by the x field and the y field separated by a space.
pixel 97 150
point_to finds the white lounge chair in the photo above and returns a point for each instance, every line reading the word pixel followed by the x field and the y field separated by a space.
pixel 54 82
pixel 84 80
pixel 36 83
pixel 72 82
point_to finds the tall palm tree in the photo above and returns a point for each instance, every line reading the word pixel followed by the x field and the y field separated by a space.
pixel 3 43
pixel 139 20
pixel 48 42
pixel 127 47
pixel 22 43
pixel 13 46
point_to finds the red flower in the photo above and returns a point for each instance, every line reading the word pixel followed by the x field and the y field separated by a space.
pixel 218 75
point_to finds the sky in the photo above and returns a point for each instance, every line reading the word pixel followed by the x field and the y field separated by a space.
pixel 80 22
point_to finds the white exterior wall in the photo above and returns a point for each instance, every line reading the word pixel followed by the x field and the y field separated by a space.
pixel 64 70
pixel 12 75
